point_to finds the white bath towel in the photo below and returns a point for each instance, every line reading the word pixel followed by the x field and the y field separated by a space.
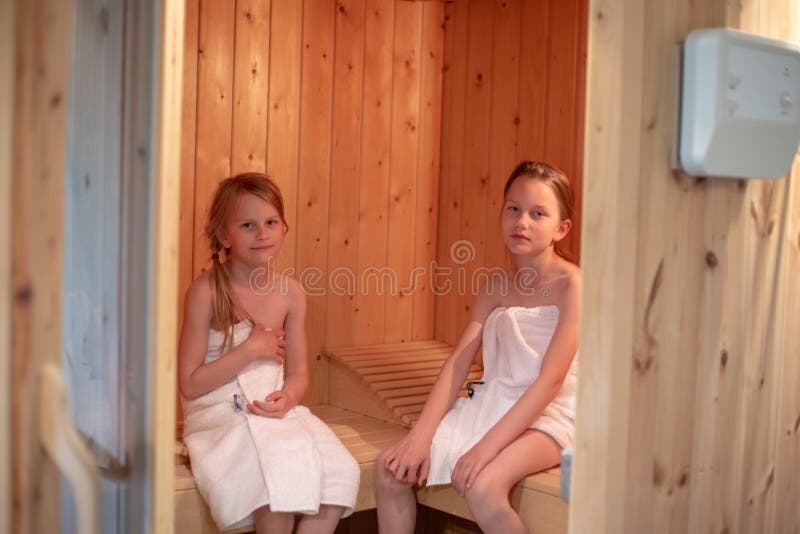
pixel 514 342
pixel 241 461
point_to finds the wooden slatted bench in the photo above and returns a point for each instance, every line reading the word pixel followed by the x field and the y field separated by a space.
pixel 390 381
pixel 375 394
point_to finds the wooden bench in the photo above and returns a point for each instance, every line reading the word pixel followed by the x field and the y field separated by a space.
pixel 375 394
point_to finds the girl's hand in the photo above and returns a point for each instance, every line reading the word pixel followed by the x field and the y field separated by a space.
pixel 275 405
pixel 409 459
pixel 266 344
pixel 469 466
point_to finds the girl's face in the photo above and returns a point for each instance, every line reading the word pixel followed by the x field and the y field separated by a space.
pixel 253 232
pixel 531 220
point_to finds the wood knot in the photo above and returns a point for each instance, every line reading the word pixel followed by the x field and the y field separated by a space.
pixel 711 259
pixel 346 242
pixel 55 100
pixel 516 120
pixel 658 474
pixel 723 358
pixel 23 295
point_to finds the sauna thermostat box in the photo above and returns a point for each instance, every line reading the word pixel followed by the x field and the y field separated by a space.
pixel 740 105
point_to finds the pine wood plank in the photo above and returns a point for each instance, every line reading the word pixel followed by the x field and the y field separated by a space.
pixel 375 164
pixel 345 171
pixel 446 177
pixel 427 205
pixel 403 167
pixel 250 86
pixel 398 367
pixel 214 115
pixel 186 234
pixel 283 115
pixel 450 209
pixel 313 182
pixel 398 358
pixel 533 79
pixel 479 82
pixel 504 121
pixel 387 348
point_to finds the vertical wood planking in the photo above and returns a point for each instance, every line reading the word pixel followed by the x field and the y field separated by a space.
pixel 403 169
pixel 7 104
pixel 612 155
pixel 443 227
pixel 39 163
pixel 504 121
pixel 572 242
pixel 250 85
pixel 710 427
pixel 533 69
pixel 535 50
pixel 427 210
pixel 477 124
pixel 313 177
pixel 186 233
pixel 375 151
pixel 563 96
pixel 283 118
pixel 450 208
pixel 188 136
pixel 345 165
pixel 214 102
pixel 562 45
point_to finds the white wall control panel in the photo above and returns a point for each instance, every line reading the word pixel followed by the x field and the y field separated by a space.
pixel 740 105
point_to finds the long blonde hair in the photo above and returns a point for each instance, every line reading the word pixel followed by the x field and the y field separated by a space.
pixel 226 310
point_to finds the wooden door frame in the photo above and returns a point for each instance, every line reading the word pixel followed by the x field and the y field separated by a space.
pixel 33 151
pixel 7 55
pixel 164 224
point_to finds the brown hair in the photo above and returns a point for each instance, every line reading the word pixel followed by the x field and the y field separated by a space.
pixel 226 310
pixel 557 181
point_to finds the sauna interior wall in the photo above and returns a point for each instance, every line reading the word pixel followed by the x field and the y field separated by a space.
pixel 513 89
pixel 350 105
pixel 689 395
pixel 340 103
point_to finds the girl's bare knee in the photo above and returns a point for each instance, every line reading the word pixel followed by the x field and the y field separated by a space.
pixel 486 498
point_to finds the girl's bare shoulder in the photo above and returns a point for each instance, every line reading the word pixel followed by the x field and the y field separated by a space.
pixel 568 284
pixel 201 288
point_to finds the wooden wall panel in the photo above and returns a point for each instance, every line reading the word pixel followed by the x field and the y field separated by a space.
pixel 345 166
pixel 452 166
pixel 688 412
pixel 375 147
pixel 250 84
pixel 318 93
pixel 427 210
pixel 213 116
pixel 283 123
pixel 403 166
pixel 513 89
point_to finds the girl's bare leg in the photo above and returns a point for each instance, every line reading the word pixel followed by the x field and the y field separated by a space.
pixel 323 522
pixel 397 506
pixel 269 522
pixel 488 497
